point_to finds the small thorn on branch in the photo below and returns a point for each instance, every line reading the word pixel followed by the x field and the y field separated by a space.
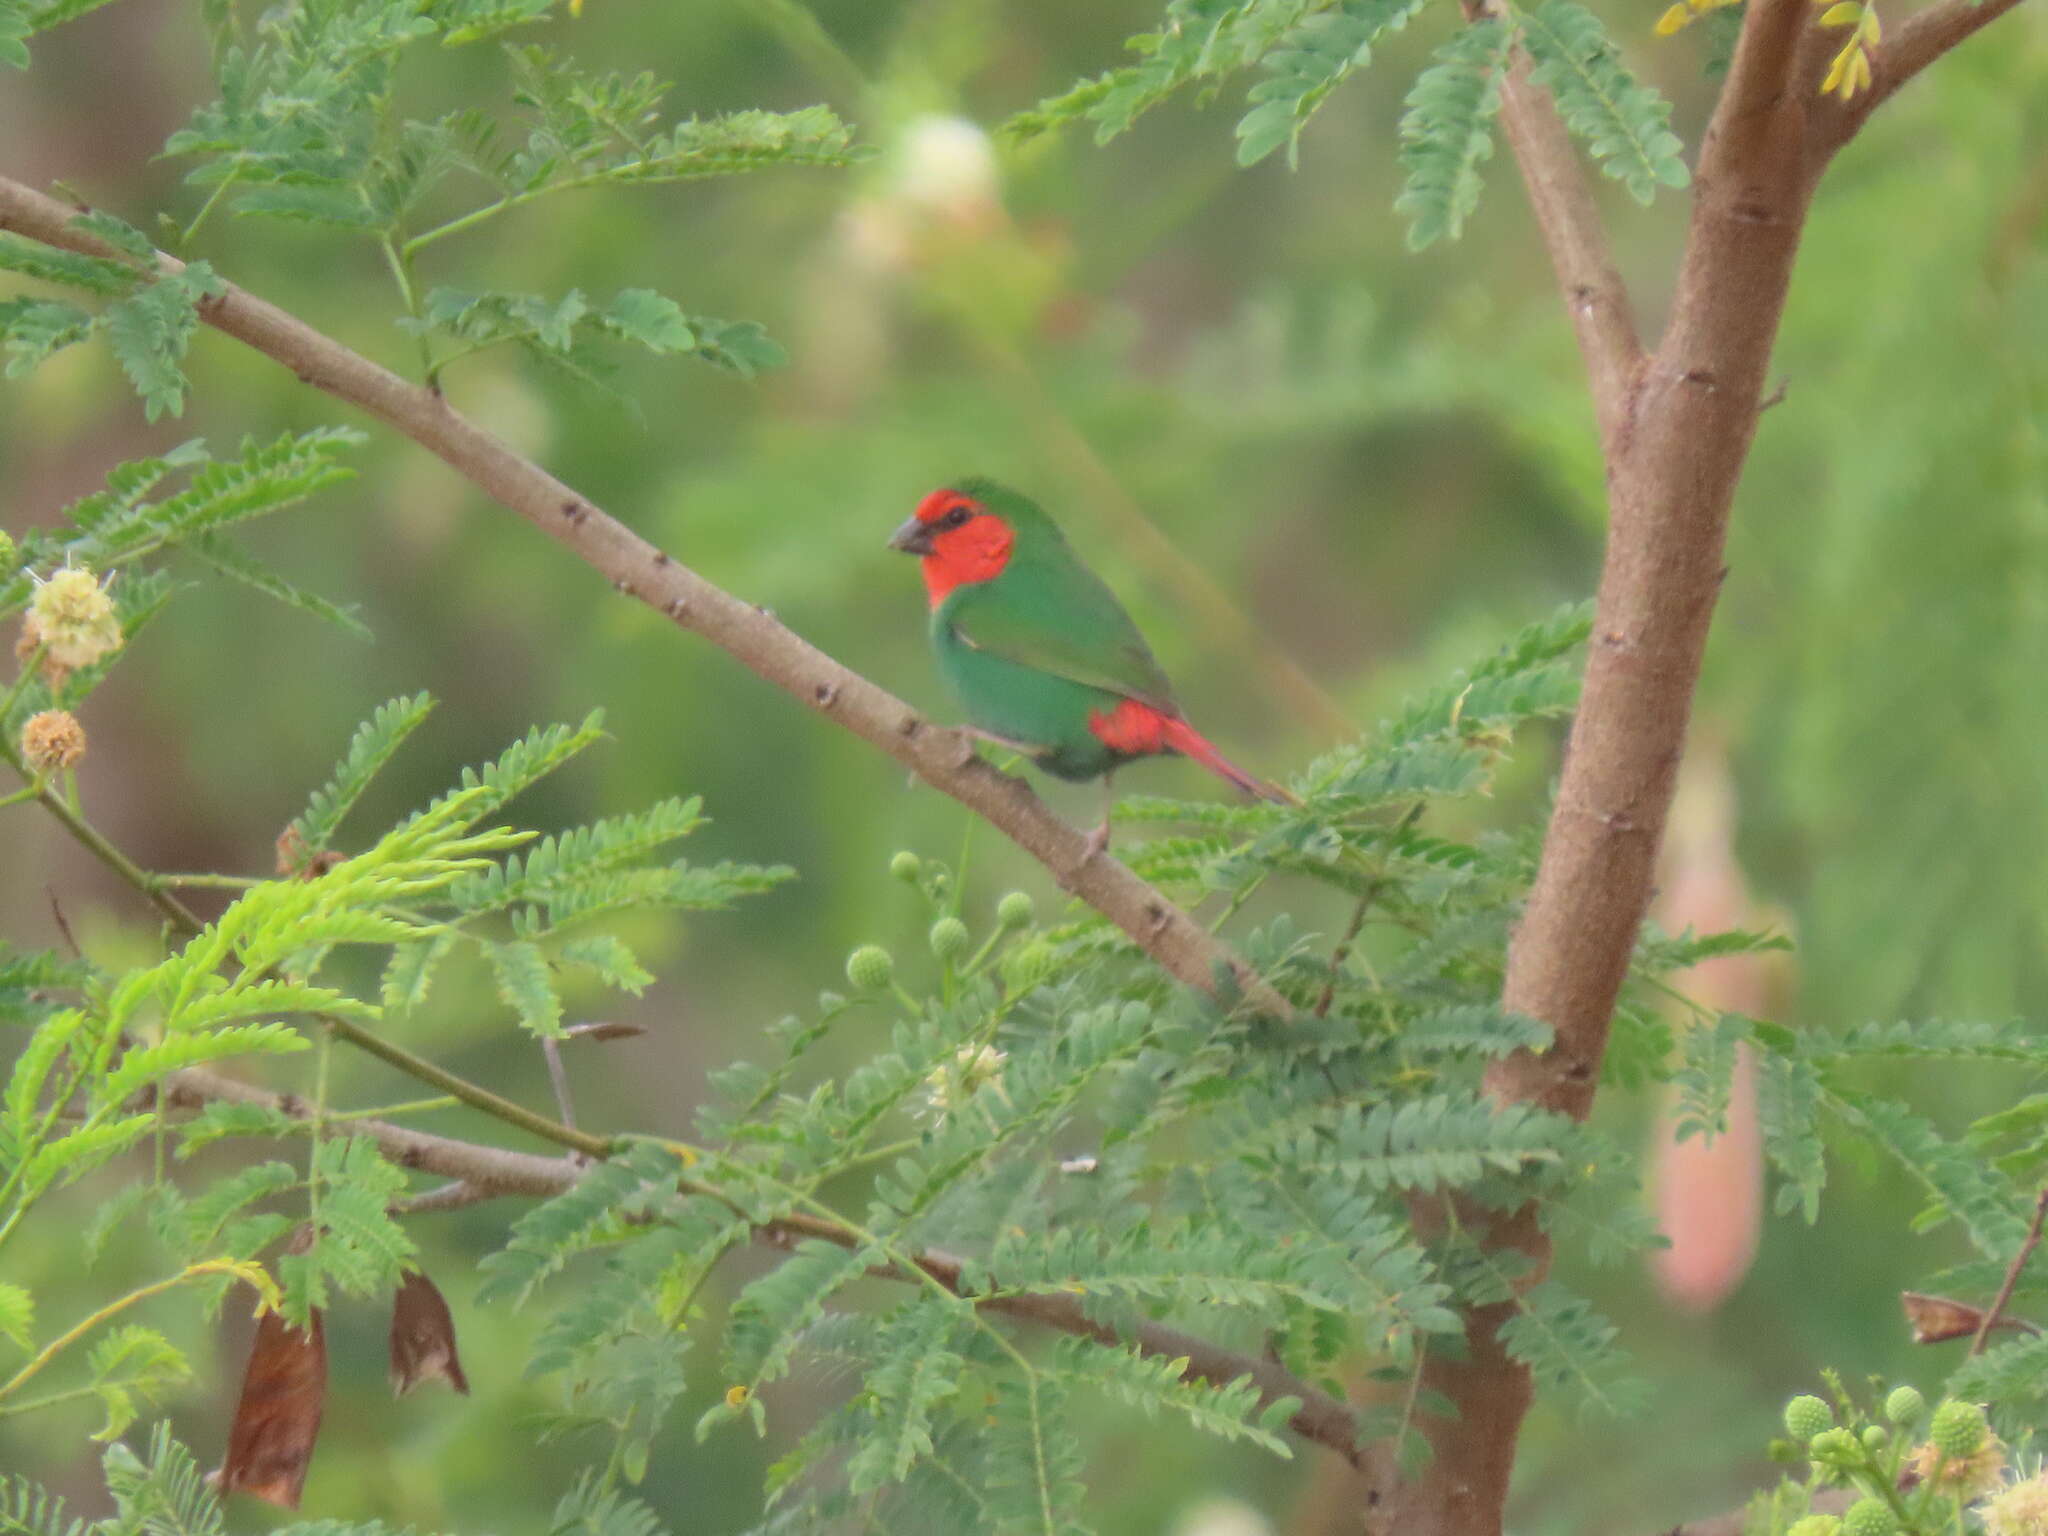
pixel 600 1031
pixel 63 924
pixel 1775 397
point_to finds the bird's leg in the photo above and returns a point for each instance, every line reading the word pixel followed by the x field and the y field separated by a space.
pixel 1023 749
pixel 1098 840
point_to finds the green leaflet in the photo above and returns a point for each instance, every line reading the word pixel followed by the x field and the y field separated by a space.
pixel 1625 125
pixel 1309 61
pixel 1565 1342
pixel 150 329
pixel 1231 1411
pixel 372 746
pixel 1447 131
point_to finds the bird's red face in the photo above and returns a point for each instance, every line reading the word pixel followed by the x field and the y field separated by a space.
pixel 957 539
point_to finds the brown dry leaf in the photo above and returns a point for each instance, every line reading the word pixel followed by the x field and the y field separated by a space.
pixel 1936 1318
pixel 278 1416
pixel 423 1337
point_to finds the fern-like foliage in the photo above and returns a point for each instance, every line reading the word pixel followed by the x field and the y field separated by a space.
pixel 164 1493
pixel 1309 61
pixel 1447 131
pixel 569 331
pixel 185 501
pixel 309 128
pixel 90 1080
pixel 1304 49
pixel 148 321
pixel 1625 124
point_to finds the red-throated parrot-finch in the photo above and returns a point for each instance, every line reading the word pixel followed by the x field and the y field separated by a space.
pixel 1039 652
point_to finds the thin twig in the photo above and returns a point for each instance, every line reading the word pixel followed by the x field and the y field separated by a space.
pixel 449 1197
pixel 64 925
pixel 2012 1275
pixel 188 922
pixel 1343 950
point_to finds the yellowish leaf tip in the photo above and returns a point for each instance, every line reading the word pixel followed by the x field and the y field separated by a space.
pixel 1673 20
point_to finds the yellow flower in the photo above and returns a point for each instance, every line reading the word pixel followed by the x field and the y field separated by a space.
pixel 73 619
pixel 973 1067
pixel 2021 1510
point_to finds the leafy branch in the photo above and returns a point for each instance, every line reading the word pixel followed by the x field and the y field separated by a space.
pixel 945 759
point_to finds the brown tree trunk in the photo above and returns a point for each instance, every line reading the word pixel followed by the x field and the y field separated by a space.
pixel 1676 428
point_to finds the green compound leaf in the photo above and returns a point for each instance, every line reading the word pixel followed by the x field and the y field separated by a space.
pixel 1447 131
pixel 1625 124
pixel 1309 62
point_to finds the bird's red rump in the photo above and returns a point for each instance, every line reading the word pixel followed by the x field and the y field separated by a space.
pixel 1132 729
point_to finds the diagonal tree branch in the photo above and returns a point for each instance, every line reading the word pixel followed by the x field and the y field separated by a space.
pixel 944 758
pixel 484 1171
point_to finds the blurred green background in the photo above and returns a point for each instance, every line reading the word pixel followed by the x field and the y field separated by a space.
pixel 1320 469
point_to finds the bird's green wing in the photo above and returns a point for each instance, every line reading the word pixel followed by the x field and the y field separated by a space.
pixel 1050 612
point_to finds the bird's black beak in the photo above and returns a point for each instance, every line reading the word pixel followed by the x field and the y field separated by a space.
pixel 913 538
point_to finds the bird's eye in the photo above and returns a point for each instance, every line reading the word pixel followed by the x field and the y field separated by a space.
pixel 956 517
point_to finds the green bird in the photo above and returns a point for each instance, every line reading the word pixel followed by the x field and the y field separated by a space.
pixel 1039 652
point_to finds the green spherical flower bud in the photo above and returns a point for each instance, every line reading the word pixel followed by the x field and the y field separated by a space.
pixel 1027 965
pixel 1816 1525
pixel 1874 1437
pixel 1958 1428
pixel 1016 910
pixel 1905 1405
pixel 906 866
pixel 949 938
pixel 1806 1416
pixel 1836 1446
pixel 870 968
pixel 1870 1517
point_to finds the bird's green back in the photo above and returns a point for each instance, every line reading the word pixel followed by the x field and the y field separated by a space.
pixel 1047 610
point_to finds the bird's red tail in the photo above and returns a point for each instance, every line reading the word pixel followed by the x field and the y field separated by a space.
pixel 1179 736
pixel 1136 728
